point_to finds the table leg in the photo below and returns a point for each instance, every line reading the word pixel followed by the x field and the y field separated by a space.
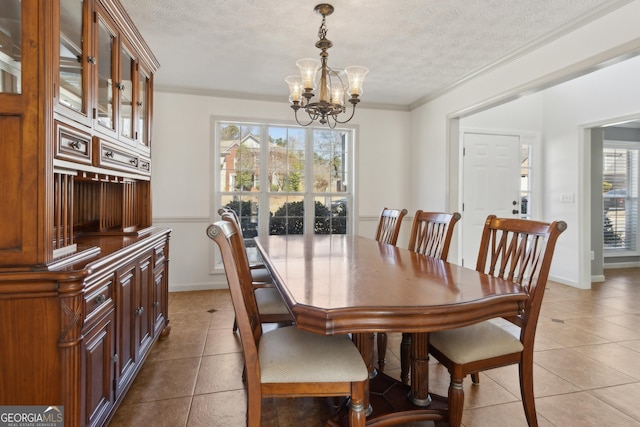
pixel 364 342
pixel 419 394
pixel 405 358
pixel 390 402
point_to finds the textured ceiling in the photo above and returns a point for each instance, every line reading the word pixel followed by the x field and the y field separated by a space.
pixel 414 49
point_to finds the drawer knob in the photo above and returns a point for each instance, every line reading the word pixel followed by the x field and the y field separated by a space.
pixel 101 298
pixel 139 311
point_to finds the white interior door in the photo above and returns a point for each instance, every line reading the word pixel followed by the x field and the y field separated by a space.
pixel 491 185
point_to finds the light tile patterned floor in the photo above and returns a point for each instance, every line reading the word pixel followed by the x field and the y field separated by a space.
pixel 587 367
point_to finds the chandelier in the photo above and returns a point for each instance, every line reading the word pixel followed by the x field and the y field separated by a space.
pixel 333 89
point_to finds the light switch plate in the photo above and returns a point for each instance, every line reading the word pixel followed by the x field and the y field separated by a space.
pixel 567 198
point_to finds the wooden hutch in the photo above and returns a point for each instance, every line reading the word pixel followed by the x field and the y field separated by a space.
pixel 83 274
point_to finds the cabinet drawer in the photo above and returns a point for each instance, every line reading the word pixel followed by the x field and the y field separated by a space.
pixel 160 254
pixel 72 144
pixel 98 297
pixel 145 166
pixel 113 156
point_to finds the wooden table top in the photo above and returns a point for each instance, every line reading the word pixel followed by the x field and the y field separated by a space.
pixel 340 283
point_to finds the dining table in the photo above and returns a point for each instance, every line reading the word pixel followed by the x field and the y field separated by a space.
pixel 348 284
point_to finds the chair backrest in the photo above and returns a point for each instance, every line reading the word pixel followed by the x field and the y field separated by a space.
pixel 431 233
pixel 237 240
pixel 389 225
pixel 225 210
pixel 520 250
pixel 225 234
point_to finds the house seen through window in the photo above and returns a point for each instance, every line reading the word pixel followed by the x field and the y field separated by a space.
pixel 285 179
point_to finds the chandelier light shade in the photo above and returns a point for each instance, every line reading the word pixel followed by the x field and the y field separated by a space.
pixel 333 88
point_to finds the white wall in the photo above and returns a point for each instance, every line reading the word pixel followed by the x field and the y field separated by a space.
pixel 182 144
pixel 388 142
pixel 604 95
pixel 585 49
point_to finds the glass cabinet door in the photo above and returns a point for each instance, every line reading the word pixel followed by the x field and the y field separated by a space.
pixel 127 70
pixel 143 108
pixel 106 44
pixel 72 86
pixel 11 46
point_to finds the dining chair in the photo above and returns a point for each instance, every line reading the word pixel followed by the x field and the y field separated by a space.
pixel 388 231
pixel 271 306
pixel 521 251
pixel 287 361
pixel 389 225
pixel 431 234
pixel 259 272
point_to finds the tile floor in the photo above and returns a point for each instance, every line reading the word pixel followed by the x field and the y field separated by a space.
pixel 587 367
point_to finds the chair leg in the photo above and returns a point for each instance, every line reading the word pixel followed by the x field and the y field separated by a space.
pixel 405 358
pixel 475 378
pixel 382 350
pixel 235 325
pixel 254 409
pixel 456 402
pixel 357 411
pixel 526 389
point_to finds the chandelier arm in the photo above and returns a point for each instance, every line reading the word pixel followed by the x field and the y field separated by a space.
pixel 353 112
pixel 313 113
pixel 298 121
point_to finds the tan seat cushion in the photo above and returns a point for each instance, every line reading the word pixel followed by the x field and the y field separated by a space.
pixel 270 301
pixel 261 275
pixel 475 342
pixel 292 355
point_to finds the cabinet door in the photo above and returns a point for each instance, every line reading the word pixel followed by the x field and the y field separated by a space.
pixel 143 111
pixel 98 358
pixel 144 310
pixel 73 92
pixel 107 54
pixel 127 94
pixel 126 283
pixel 11 47
pixel 159 298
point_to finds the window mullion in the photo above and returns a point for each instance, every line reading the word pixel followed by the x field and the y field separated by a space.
pixel 263 195
pixel 309 210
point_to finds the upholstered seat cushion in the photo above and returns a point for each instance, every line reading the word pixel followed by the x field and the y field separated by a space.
pixel 475 342
pixel 291 355
pixel 261 275
pixel 270 301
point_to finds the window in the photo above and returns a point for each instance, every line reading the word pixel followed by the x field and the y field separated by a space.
pixel 620 197
pixel 526 151
pixel 286 180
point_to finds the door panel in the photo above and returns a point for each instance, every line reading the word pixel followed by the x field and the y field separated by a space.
pixel 491 185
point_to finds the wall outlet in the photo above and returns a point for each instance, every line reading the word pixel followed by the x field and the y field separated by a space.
pixel 567 198
pixel 593 255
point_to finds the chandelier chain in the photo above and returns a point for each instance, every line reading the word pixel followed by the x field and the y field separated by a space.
pixel 322 31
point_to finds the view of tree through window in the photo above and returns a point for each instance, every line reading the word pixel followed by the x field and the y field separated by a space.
pixel 285 180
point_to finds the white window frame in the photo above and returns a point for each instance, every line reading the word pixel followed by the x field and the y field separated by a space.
pixel 634 251
pixel 263 194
